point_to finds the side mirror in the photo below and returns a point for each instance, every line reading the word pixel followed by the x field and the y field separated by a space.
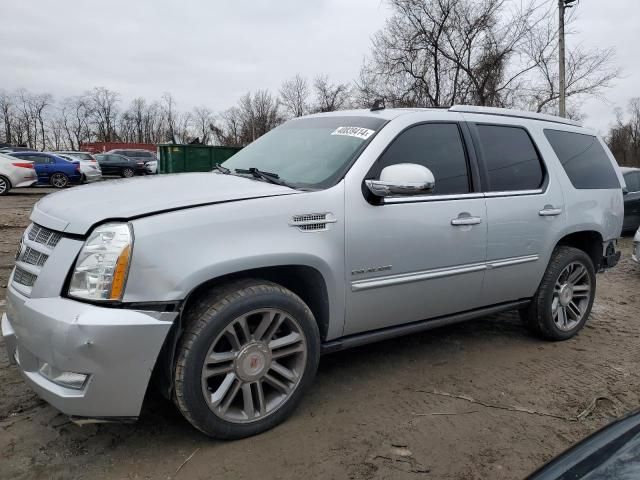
pixel 402 179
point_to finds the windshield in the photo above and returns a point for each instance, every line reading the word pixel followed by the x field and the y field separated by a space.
pixel 309 152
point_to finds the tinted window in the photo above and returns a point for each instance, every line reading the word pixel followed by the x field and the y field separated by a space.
pixel 584 159
pixel 37 158
pixel 632 179
pixel 438 147
pixel 510 158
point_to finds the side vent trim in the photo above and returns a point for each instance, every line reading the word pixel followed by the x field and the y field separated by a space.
pixel 313 222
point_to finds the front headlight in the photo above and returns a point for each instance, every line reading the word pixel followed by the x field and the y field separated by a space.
pixel 100 273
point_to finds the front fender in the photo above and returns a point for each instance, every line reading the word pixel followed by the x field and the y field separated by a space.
pixel 175 252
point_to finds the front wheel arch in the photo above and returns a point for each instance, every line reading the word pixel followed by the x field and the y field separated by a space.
pixel 305 281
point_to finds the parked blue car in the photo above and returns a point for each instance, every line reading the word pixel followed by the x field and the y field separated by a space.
pixel 53 170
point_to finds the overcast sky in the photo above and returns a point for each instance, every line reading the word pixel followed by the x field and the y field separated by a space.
pixel 210 52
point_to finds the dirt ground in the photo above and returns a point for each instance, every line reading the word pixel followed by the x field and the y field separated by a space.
pixel 482 400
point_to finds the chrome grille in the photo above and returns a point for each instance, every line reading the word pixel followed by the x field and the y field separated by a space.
pixel 313 227
pixel 43 235
pixel 24 278
pixel 313 217
pixel 37 245
pixel 33 257
pixel 312 222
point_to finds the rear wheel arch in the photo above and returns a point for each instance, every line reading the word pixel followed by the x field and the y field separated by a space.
pixel 589 241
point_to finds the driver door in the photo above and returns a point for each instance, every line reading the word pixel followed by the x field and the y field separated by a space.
pixel 412 258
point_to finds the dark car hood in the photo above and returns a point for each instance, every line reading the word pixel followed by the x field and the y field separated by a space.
pixel 77 209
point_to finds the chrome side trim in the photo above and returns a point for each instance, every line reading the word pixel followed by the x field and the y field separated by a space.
pixel 507 262
pixel 432 198
pixel 399 279
pixel 515 193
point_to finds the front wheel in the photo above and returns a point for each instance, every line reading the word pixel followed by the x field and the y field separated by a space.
pixel 563 302
pixel 128 172
pixel 59 180
pixel 249 352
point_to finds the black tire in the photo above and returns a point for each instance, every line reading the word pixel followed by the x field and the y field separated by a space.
pixel 59 180
pixel 83 179
pixel 205 320
pixel 5 185
pixel 538 316
pixel 127 172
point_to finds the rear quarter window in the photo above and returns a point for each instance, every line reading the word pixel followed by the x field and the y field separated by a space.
pixel 584 159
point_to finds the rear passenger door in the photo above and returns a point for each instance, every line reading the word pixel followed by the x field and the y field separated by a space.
pixel 525 207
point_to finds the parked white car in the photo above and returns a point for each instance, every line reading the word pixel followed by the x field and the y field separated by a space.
pixel 15 173
pixel 89 166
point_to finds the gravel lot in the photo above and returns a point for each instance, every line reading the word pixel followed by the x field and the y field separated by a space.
pixel 473 401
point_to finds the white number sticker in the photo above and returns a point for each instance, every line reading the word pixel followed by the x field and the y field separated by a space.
pixel 358 132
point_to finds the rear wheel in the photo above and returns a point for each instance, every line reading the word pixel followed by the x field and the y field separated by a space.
pixel 565 296
pixel 248 353
pixel 128 172
pixel 5 185
pixel 59 180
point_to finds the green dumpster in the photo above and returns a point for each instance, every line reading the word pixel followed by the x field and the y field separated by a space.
pixel 192 158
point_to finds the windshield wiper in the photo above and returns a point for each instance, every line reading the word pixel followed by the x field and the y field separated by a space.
pixel 266 176
pixel 222 169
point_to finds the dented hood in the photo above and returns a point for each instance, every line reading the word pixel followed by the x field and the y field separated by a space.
pixel 77 209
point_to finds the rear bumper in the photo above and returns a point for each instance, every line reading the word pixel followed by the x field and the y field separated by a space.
pixel 115 348
pixel 90 177
pixel 610 255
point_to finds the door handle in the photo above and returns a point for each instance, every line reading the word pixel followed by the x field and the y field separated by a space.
pixel 465 220
pixel 549 211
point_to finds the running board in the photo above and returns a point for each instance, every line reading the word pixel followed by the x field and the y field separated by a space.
pixel 359 339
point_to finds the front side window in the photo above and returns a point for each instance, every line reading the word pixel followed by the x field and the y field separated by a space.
pixel 312 152
pixel 510 158
pixel 437 146
pixel 583 159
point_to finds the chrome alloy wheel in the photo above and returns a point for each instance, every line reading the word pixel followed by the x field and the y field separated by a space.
pixel 571 295
pixel 4 186
pixel 59 180
pixel 254 365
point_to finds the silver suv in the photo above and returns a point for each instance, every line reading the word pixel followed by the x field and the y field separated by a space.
pixel 331 231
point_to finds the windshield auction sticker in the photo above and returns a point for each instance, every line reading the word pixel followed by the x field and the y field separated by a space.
pixel 358 132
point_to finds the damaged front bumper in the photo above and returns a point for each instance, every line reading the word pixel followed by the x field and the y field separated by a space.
pixel 85 360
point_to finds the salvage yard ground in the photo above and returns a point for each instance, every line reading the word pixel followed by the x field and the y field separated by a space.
pixel 473 401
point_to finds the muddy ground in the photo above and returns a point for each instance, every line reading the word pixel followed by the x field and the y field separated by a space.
pixel 482 400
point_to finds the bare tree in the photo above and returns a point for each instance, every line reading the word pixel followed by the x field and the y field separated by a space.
pixel 7 113
pixel 294 96
pixel 624 138
pixel 330 96
pixel 229 132
pixel 483 52
pixel 203 122
pixel 75 116
pixel 104 112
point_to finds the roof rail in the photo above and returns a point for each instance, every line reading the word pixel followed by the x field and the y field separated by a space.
pixel 508 112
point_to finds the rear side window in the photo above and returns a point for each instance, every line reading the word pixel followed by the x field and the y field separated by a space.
pixel 632 180
pixel 584 159
pixel 511 160
pixel 437 146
